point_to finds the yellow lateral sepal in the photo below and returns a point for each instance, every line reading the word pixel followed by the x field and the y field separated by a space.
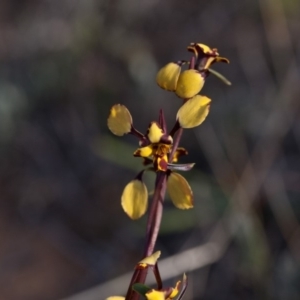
pixel 193 112
pixel 180 191
pixel 151 259
pixel 119 120
pixel 190 83
pixel 144 151
pixel 134 199
pixel 167 76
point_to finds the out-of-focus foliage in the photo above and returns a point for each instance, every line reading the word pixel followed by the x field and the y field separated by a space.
pixel 63 64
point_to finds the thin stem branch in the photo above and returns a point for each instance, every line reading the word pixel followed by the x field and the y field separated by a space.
pixel 155 215
pixel 175 144
pixel 157 277
pixel 153 225
pixel 130 292
pixel 136 133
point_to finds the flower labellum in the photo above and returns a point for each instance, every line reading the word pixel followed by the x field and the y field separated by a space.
pixel 158 148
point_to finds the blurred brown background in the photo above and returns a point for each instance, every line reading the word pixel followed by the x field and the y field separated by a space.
pixel 63 64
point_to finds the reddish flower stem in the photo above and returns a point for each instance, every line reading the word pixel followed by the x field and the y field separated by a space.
pixel 131 294
pixel 155 215
pixel 136 133
pixel 157 277
pixel 153 225
pixel 175 144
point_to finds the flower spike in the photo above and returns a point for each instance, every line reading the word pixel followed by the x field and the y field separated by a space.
pixel 157 148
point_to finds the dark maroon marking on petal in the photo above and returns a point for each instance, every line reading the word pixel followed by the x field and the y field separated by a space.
pixel 163 165
pixel 181 151
pixel 147 161
pixel 137 153
pixel 144 142
pixel 165 139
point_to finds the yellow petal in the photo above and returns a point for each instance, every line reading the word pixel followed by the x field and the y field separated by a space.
pixel 167 76
pixel 155 295
pixel 195 47
pixel 135 199
pixel 180 151
pixel 222 59
pixel 193 112
pixel 119 120
pixel 115 298
pixel 205 48
pixel 209 62
pixel 180 192
pixel 154 132
pixel 190 83
pixel 175 290
pixel 151 260
pixel 144 151
pixel 212 60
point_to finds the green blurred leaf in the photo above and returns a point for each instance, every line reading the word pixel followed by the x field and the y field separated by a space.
pixel 141 288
